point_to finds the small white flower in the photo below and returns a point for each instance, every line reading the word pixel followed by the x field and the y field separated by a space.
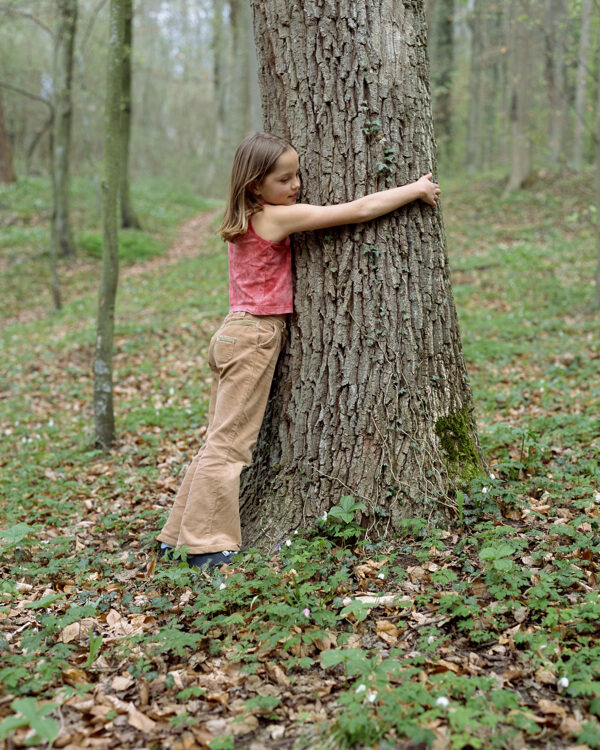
pixel 597 497
pixel 563 682
pixel 382 576
pixel 306 612
pixel 360 689
pixel 324 517
pixel 442 701
pixel 171 391
pixel 484 490
pixel 50 422
pixel 296 531
pixel 431 639
pixel 372 696
pixel 222 586
pixel 288 542
pixel 492 476
pixel 293 572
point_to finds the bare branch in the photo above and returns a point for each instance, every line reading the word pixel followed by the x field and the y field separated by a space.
pixel 91 22
pixel 28 16
pixel 28 94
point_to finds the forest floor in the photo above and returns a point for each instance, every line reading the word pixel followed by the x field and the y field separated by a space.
pixel 482 636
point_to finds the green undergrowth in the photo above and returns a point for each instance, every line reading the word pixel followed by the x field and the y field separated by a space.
pixel 481 636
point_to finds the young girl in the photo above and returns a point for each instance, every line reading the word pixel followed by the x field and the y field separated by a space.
pixel 261 214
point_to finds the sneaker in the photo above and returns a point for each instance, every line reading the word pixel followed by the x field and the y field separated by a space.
pixel 210 558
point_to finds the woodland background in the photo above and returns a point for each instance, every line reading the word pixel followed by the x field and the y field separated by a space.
pixel 481 636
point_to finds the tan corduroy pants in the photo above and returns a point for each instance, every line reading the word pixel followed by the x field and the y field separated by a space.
pixel 242 356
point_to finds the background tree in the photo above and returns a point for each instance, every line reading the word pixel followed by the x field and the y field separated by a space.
pixel 64 44
pixel 104 419
pixel 7 171
pixel 128 216
pixel 441 47
pixel 371 397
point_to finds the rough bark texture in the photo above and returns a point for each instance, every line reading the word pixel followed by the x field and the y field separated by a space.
pixel 61 140
pixel 129 217
pixel 7 170
pixel 371 397
pixel 103 368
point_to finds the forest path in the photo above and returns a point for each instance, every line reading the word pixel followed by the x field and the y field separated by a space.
pixel 189 242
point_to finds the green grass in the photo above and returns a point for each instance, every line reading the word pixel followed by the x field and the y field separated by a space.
pixel 493 614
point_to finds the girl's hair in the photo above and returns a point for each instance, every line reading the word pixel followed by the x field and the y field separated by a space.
pixel 254 159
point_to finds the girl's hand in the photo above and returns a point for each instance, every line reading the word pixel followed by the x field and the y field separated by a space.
pixel 429 191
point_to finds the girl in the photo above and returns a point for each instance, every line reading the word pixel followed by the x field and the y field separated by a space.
pixel 261 214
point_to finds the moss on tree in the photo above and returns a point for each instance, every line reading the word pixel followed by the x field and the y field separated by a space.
pixel 455 433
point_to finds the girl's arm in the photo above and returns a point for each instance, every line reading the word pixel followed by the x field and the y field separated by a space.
pixel 277 222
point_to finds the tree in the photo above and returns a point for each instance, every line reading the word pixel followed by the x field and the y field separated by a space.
pixel 128 216
pixel 441 45
pixel 371 397
pixel 64 43
pixel 520 61
pixel 7 171
pixel 582 74
pixel 103 368
pixel 555 36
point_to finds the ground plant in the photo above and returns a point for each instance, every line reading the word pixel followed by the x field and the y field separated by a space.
pixel 481 635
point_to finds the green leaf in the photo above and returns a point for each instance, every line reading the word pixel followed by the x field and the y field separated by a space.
pixel 15 534
pixel 45 601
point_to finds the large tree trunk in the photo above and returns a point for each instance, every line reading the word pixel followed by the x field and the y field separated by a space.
pixel 64 44
pixel 582 74
pixel 7 170
pixel 103 367
pixel 371 396
pixel 240 119
pixel 520 41
pixel 128 216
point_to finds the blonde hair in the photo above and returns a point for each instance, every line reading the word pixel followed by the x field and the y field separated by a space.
pixel 254 159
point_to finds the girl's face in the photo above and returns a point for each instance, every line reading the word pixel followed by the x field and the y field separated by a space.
pixel 280 187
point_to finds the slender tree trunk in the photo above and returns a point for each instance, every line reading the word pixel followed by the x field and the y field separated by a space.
pixel 103 365
pixel 64 44
pixel 521 92
pixel 556 31
pixel 441 52
pixel 476 104
pixel 129 218
pixel 240 120
pixel 371 396
pixel 581 91
pixel 7 170
pixel 597 150
pixel 217 171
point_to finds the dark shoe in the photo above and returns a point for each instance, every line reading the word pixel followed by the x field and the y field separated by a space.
pixel 210 558
pixel 163 551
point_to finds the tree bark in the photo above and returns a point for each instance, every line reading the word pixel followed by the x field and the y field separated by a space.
pixel 103 366
pixel 520 38
pixel 7 170
pixel 129 218
pixel 64 44
pixel 371 397
pixel 582 73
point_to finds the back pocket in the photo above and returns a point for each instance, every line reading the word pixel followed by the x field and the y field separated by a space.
pixel 223 350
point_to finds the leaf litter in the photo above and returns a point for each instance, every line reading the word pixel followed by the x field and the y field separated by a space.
pixel 483 636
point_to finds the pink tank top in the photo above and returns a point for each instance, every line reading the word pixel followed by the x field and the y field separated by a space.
pixel 260 275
